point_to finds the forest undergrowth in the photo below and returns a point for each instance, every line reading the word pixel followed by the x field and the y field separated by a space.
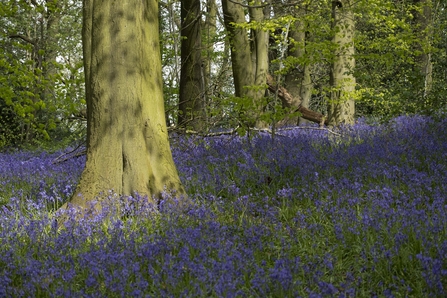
pixel 307 213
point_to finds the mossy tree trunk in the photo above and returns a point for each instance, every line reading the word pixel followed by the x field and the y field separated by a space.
pixel 127 142
pixel 342 105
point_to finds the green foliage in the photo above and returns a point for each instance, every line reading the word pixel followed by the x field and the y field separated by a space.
pixel 387 42
pixel 41 68
pixel 271 25
pixel 41 77
pixel 388 46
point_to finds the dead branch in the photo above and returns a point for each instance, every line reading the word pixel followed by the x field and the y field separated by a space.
pixel 289 101
pixel 23 37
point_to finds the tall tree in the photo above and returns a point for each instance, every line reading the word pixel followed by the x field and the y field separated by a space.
pixel 192 91
pixel 170 43
pixel 209 30
pixel 422 25
pixel 342 106
pixel 53 17
pixel 209 40
pixel 249 55
pixel 298 81
pixel 127 141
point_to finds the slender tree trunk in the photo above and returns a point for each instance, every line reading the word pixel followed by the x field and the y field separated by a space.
pixel 260 42
pixel 342 106
pixel 260 58
pixel 192 92
pixel 298 80
pixel 127 142
pixel 424 31
pixel 172 80
pixel 51 42
pixel 240 47
pixel 210 33
pixel 249 58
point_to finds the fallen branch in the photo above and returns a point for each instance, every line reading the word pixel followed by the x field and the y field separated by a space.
pixel 289 101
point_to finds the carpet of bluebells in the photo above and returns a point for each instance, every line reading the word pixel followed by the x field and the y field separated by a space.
pixel 305 213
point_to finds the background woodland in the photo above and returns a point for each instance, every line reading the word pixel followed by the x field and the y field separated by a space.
pixel 342 59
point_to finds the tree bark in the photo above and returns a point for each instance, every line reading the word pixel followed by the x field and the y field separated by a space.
pixel 127 142
pixel 192 91
pixel 342 105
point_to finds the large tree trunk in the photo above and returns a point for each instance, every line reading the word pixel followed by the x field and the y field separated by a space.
pixel 127 142
pixel 192 91
pixel 249 57
pixel 342 106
